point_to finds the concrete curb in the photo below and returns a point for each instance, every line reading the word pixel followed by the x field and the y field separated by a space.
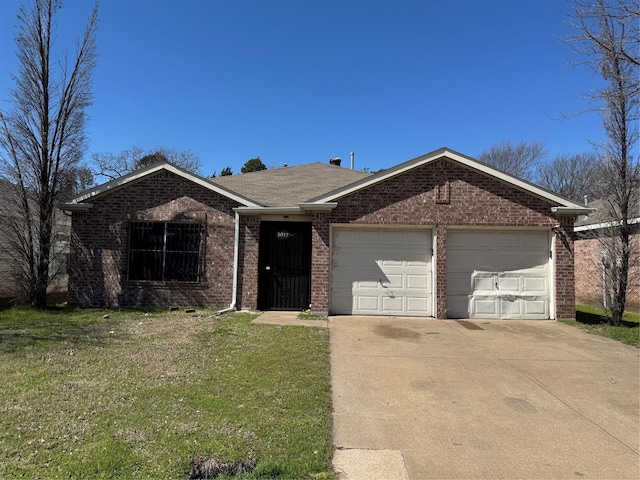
pixel 362 464
pixel 288 318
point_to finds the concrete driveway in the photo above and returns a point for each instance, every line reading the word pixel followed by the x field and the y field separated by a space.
pixel 434 399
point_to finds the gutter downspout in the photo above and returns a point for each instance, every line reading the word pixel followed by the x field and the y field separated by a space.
pixel 236 261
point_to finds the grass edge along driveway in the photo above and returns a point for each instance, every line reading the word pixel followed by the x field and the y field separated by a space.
pixel 595 321
pixel 143 394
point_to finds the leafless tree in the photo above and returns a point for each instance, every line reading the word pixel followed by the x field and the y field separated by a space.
pixel 520 160
pixel 608 37
pixel 571 176
pixel 107 166
pixel 42 136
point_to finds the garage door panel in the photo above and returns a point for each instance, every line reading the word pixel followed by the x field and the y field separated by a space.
pixel 457 306
pixel 392 305
pixel 458 284
pixel 536 307
pixel 485 306
pixel 420 282
pixel 510 283
pixel 535 285
pixel 480 281
pixel 510 308
pixel 368 302
pixel 392 266
pixel 417 304
pixel 342 302
pixel 394 281
pixel 498 274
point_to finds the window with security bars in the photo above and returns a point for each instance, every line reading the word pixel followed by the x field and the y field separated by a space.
pixel 164 251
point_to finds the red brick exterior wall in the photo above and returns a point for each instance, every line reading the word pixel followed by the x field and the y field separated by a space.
pixel 442 194
pixel 100 239
pixel 248 265
pixel 588 267
pixel 564 269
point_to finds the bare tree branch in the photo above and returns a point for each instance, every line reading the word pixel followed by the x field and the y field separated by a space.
pixel 521 159
pixel 42 137
pixel 608 37
pixel 107 166
pixel 571 176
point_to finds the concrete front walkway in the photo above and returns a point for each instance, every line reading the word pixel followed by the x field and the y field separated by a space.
pixel 434 399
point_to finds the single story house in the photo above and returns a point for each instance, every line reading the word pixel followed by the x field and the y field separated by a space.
pixel 591 260
pixel 441 235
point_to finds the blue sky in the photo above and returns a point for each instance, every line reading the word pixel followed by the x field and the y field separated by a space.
pixel 299 81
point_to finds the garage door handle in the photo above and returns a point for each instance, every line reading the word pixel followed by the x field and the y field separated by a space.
pixel 382 284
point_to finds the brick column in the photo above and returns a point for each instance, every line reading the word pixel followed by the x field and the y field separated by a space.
pixel 320 262
pixel 440 269
pixel 564 266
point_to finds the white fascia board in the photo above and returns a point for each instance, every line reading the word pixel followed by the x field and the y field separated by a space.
pixel 300 209
pixel 597 226
pixel 75 207
pixel 457 157
pixel 140 174
pixel 317 207
pixel 572 211
pixel 257 210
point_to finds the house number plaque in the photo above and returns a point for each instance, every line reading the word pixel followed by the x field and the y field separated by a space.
pixel 283 235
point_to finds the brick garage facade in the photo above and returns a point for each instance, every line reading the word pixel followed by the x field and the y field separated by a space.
pixel 470 199
pixel 100 243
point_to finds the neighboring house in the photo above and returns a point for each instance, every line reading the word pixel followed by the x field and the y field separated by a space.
pixel 441 235
pixel 10 290
pixel 590 258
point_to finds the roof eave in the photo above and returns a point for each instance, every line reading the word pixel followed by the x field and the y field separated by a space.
pixel 75 207
pixel 305 207
pixel 598 226
pixel 457 157
pixel 257 210
pixel 113 185
pixel 572 210
pixel 317 207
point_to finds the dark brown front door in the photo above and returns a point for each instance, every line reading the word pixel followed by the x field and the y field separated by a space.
pixel 285 266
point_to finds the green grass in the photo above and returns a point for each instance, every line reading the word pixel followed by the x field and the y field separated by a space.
pixel 309 315
pixel 595 321
pixel 142 395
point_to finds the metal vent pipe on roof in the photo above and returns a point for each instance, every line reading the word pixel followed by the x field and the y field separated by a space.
pixel 353 158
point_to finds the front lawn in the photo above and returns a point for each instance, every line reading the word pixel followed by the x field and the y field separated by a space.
pixel 142 395
pixel 595 321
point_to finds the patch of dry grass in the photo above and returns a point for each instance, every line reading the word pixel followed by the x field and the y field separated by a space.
pixel 142 395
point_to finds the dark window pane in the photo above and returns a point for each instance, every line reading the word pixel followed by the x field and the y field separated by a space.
pixel 165 251
pixel 145 265
pixel 147 235
pixel 182 266
pixel 183 237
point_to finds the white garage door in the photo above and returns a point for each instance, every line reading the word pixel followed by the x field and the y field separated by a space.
pixel 493 274
pixel 381 272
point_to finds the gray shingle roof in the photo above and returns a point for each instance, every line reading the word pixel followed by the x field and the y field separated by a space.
pixel 601 215
pixel 289 186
